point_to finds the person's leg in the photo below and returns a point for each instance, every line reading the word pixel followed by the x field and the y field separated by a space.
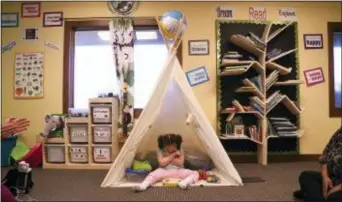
pixel 152 178
pixel 311 185
pixel 337 196
pixel 188 177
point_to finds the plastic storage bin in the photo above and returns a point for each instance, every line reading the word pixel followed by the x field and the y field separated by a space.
pixel 55 153
pixel 7 144
pixel 101 113
pixel 78 133
pixel 102 134
pixel 78 154
pixel 102 154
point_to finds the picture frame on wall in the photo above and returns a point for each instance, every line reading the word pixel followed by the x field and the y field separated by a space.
pixel 197 76
pixel 313 41
pixel 30 10
pixel 314 76
pixel 198 47
pixel 9 20
pixel 52 19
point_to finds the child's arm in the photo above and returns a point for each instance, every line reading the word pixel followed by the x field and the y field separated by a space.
pixel 179 160
pixel 165 160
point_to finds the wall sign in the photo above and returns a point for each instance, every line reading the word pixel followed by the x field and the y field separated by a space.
pixel 287 14
pixel 9 19
pixel 198 47
pixel 30 34
pixel 314 76
pixel 197 76
pixel 225 12
pixel 313 41
pixel 29 10
pixel 53 19
pixel 257 13
pixel 8 47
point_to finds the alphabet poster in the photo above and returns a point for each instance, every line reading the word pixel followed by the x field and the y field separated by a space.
pixel 29 75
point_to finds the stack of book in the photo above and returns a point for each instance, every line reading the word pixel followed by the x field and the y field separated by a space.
pixel 256 41
pixel 231 56
pixel 256 104
pixel 272 79
pixel 243 67
pixel 254 133
pixel 282 126
pixel 273 100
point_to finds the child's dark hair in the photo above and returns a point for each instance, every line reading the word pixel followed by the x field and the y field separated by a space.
pixel 167 139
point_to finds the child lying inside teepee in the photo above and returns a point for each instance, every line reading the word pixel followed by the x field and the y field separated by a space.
pixel 171 164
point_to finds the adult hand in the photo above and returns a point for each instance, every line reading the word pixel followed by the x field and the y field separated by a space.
pixel 326 185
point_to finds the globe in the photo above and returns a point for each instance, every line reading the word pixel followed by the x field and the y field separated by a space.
pixel 170 23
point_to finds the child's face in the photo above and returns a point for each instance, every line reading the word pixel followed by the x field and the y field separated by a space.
pixel 171 148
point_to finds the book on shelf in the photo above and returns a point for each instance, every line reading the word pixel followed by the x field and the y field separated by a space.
pixel 256 40
pixel 254 81
pixel 273 100
pixel 232 55
pixel 272 79
pixel 256 99
pixel 236 67
pixel 282 127
pixel 254 133
pixel 256 104
pixel 273 53
pixel 257 82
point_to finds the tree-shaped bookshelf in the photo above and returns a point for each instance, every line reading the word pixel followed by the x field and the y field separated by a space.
pixel 258 88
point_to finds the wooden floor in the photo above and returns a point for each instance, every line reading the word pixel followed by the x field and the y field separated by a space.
pixel 72 185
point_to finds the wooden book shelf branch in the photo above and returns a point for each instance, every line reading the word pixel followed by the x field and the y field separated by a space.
pixel 270 50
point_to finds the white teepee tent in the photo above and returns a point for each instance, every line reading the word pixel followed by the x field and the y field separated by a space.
pixel 166 112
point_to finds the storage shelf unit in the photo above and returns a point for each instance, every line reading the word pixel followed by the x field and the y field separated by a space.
pixel 267 51
pixel 89 142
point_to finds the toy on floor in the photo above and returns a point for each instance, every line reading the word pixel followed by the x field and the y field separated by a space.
pixel 141 166
pixel 172 182
pixel 207 176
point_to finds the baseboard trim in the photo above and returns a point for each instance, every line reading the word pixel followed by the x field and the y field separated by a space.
pixel 275 158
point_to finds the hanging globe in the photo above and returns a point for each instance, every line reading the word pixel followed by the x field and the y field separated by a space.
pixel 170 23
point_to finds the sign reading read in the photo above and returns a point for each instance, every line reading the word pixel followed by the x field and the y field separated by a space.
pixel 314 76
pixel 226 12
pixel 257 13
pixel 287 14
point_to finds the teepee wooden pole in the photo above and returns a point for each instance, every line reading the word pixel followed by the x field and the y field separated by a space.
pixel 179 35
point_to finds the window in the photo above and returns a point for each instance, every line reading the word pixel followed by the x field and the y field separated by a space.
pixel 89 66
pixel 335 68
